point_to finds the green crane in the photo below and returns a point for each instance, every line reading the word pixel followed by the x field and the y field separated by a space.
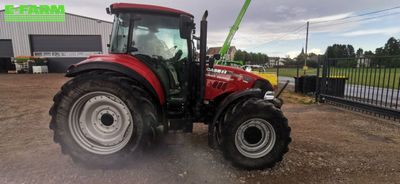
pixel 234 28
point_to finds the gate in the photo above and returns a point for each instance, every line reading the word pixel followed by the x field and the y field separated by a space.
pixel 365 84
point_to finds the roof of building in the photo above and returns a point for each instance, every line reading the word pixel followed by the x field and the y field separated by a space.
pixel 147 8
pixel 215 50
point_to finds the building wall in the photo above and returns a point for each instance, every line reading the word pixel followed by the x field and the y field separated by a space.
pixel 74 25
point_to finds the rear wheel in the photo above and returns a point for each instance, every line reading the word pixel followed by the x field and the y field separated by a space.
pixel 255 134
pixel 100 118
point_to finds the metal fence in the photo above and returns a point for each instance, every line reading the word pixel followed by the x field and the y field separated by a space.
pixel 367 84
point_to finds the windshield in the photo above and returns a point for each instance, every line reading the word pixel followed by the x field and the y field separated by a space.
pixel 152 35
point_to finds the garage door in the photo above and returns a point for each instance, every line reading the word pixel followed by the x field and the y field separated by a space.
pixel 64 50
pixel 6 49
pixel 6 52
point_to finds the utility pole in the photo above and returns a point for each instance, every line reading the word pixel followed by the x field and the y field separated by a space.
pixel 305 62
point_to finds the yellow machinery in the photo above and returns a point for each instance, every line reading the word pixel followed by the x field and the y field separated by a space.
pixel 270 76
pixel 262 72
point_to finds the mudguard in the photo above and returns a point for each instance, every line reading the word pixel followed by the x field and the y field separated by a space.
pixel 74 70
pixel 226 103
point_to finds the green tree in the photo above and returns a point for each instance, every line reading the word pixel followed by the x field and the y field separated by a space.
pixel 392 47
pixel 340 51
pixel 254 58
pixel 380 51
pixel 368 53
pixel 239 56
pixel 360 52
pixel 247 57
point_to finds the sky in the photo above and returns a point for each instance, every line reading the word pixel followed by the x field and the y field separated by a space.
pixel 276 28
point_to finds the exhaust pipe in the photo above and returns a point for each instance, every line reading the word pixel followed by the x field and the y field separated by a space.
pixel 203 50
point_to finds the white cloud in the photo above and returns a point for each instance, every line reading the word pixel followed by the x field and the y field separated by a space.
pixel 330 17
pixel 384 31
pixel 255 35
pixel 315 51
pixel 251 35
pixel 295 53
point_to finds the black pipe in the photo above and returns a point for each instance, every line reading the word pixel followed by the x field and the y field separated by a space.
pixel 283 88
pixel 203 50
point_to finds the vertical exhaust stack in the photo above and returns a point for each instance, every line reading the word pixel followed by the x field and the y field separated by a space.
pixel 203 50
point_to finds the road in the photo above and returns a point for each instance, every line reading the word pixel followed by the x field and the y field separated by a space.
pixel 283 79
pixel 380 96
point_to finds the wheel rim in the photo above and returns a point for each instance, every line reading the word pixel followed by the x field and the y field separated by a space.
pixel 101 123
pixel 255 138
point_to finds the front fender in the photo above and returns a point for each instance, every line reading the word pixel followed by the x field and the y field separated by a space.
pixel 226 103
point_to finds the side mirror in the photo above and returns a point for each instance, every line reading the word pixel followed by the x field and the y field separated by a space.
pixel 186 26
pixel 217 56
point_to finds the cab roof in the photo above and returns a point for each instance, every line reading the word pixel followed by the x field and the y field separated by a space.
pixel 117 7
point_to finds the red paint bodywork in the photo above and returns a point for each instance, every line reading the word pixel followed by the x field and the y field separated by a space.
pixel 147 7
pixel 219 80
pixel 134 64
pixel 235 79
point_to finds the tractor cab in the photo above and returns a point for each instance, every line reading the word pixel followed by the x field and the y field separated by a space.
pixel 158 37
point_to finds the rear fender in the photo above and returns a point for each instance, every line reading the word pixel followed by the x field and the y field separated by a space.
pixel 226 103
pixel 154 87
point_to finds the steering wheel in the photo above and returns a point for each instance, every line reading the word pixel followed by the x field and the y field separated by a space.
pixel 178 55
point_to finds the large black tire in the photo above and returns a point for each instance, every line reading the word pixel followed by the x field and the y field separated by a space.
pixel 258 112
pixel 131 94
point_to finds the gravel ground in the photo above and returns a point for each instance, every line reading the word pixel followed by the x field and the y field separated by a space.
pixel 330 145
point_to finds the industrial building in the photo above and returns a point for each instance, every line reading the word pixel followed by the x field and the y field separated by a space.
pixel 62 43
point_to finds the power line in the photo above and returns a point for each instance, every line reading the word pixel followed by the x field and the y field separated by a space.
pixel 292 31
pixel 297 29
pixel 359 20
pixel 360 15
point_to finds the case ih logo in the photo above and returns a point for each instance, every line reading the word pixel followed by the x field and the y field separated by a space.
pixel 35 13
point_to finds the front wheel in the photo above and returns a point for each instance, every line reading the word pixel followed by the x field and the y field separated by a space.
pixel 255 134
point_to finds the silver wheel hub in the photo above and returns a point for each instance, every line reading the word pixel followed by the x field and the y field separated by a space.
pixel 101 123
pixel 255 138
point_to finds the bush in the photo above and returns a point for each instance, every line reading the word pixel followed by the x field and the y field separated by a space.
pixel 395 62
pixel 312 63
pixel 346 63
pixel 37 61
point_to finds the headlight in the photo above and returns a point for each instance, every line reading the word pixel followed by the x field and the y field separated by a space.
pixel 269 95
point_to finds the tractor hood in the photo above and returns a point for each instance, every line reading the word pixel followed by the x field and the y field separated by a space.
pixel 224 79
pixel 234 72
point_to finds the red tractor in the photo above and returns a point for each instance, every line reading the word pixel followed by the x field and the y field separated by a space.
pixel 111 107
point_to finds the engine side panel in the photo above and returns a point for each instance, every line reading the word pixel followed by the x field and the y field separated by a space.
pixel 224 79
